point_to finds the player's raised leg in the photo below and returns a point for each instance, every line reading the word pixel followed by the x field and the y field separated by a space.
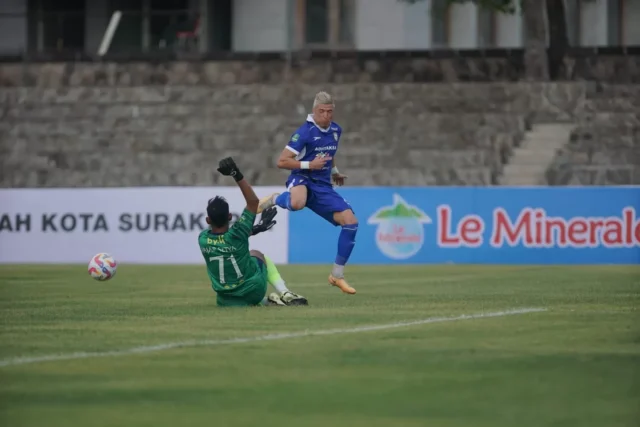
pixel 267 202
pixel 346 241
pixel 294 199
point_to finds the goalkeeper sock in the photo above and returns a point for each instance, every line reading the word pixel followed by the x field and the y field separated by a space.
pixel 284 201
pixel 273 276
pixel 346 242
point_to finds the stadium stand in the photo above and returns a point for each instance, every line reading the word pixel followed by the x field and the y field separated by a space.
pixel 118 133
pixel 604 145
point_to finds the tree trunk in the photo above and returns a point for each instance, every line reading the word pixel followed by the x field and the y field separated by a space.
pixel 535 40
pixel 558 38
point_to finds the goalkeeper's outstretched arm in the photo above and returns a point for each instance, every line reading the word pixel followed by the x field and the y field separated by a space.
pixel 249 195
pixel 229 168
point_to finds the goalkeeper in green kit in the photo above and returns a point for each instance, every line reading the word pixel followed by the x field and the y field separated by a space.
pixel 239 276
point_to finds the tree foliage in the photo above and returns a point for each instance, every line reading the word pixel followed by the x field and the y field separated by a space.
pixel 504 6
pixel 543 20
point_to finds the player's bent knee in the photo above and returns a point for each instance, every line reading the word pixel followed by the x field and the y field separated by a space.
pixel 351 220
pixel 346 218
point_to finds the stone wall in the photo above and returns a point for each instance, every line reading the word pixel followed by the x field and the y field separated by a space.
pixel 94 124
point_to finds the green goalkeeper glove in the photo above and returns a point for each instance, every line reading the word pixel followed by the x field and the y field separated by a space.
pixel 228 167
pixel 266 221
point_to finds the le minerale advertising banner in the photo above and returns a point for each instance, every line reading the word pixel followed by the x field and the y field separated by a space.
pixel 563 225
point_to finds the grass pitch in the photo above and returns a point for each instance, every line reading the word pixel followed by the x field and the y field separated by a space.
pixel 576 364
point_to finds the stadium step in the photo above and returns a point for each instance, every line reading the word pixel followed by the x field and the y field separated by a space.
pixel 529 162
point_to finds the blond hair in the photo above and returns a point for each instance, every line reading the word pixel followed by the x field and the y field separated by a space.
pixel 322 98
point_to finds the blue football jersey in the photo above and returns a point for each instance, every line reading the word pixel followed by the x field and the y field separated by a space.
pixel 310 141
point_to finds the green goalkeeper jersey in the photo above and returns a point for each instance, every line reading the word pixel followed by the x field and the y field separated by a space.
pixel 231 268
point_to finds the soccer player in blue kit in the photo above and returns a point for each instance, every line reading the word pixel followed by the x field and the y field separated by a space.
pixel 309 156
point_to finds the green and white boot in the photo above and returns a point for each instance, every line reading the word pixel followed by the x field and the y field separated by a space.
pixel 274 299
pixel 290 298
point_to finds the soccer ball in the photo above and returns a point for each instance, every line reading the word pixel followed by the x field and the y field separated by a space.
pixel 102 267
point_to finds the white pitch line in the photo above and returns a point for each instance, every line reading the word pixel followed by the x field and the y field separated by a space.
pixel 274 337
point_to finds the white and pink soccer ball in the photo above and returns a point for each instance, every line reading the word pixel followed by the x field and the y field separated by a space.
pixel 102 267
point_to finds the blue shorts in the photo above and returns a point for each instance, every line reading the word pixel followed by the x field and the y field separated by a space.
pixel 321 197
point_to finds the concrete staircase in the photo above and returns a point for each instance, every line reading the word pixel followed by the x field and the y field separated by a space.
pixel 531 159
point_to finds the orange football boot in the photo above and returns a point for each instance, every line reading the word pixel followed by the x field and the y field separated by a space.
pixel 342 284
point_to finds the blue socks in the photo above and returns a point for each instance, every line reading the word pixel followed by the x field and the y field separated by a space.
pixel 284 200
pixel 346 242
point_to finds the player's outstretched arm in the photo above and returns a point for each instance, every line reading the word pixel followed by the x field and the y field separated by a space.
pixel 228 167
pixel 249 195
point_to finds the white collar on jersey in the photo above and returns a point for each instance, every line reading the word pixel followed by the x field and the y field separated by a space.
pixel 310 119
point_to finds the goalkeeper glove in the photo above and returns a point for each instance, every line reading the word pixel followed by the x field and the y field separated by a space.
pixel 266 221
pixel 228 167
